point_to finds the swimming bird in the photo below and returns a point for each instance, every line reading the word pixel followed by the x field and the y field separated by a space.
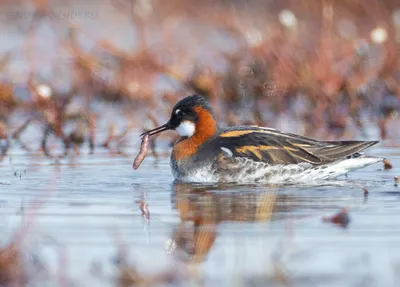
pixel 207 153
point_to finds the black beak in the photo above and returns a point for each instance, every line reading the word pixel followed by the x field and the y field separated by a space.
pixel 160 129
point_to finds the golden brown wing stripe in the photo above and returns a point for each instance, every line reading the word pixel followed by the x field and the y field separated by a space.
pixel 237 133
pixel 252 149
pixel 256 150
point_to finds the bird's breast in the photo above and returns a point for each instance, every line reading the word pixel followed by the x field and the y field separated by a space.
pixel 184 149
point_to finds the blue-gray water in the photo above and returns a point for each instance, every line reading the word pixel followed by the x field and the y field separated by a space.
pixel 88 208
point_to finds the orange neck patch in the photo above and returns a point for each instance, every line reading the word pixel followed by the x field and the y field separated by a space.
pixel 206 127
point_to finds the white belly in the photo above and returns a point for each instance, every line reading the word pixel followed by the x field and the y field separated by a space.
pixel 248 171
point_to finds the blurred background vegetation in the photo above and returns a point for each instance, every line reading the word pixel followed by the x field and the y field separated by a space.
pixel 322 68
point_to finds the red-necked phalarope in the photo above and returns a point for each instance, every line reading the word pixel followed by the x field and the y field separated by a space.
pixel 207 153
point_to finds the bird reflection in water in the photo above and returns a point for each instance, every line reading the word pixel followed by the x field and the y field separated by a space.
pixel 202 209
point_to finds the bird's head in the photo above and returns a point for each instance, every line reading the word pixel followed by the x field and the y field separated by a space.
pixel 190 116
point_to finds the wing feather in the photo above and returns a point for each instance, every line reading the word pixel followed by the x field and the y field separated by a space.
pixel 274 147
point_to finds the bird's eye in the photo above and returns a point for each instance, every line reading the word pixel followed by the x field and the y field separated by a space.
pixel 179 113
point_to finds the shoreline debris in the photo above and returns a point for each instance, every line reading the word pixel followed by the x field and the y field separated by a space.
pixel 341 218
pixel 396 180
pixel 387 165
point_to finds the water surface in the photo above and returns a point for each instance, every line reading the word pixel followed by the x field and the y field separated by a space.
pixel 84 209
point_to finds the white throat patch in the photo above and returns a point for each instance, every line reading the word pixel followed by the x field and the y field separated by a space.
pixel 186 129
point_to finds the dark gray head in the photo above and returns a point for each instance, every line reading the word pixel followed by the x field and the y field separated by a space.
pixel 185 115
